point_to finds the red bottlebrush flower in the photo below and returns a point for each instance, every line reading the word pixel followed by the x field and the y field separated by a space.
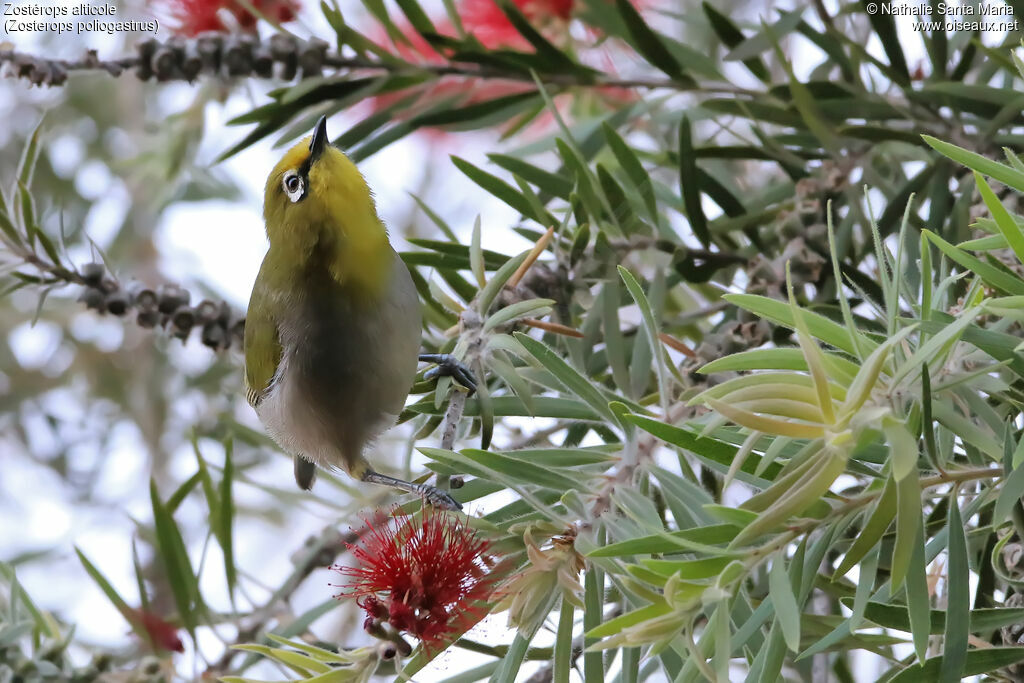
pixel 162 634
pixel 425 577
pixel 485 20
pixel 196 16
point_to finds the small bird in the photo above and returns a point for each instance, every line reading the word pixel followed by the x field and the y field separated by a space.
pixel 333 328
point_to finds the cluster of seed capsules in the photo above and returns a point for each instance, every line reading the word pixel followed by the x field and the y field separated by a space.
pixel 228 54
pixel 223 54
pixel 166 306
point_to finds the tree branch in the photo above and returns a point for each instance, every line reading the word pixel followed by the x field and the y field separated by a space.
pixel 285 57
pixel 166 306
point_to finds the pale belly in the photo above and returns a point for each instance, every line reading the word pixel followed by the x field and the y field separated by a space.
pixel 343 378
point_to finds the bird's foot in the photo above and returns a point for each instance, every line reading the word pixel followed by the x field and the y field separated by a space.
pixel 439 498
pixel 433 495
pixel 447 365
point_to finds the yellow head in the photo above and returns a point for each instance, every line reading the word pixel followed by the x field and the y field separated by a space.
pixel 317 202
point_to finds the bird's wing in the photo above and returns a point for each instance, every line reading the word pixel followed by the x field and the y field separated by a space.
pixel 262 343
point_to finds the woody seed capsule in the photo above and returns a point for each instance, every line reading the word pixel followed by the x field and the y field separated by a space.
pixel 208 45
pixel 92 273
pixel 92 298
pixel 213 335
pixel 117 303
pixel 170 298
pixel 145 50
pixel 182 321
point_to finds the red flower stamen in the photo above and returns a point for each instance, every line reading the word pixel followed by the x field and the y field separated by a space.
pixel 485 20
pixel 424 577
pixel 196 16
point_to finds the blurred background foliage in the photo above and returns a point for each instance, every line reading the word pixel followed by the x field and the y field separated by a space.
pixel 849 460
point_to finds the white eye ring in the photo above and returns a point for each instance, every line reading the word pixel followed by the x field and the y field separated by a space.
pixel 293 186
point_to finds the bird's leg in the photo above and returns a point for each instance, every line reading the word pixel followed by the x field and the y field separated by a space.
pixel 435 496
pixel 448 365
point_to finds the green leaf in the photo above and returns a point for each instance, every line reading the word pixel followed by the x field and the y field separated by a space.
pixel 787 612
pixel 545 180
pixel 500 189
pixel 839 366
pixel 1004 221
pixel 651 325
pixel 623 621
pixel 908 519
pixel 689 183
pixel 555 59
pixel 1010 494
pixel 493 288
pixel 105 585
pixel 885 28
pixel 416 16
pixel 1001 172
pixel 226 516
pixel 543 406
pixel 498 109
pixel 521 309
pixel 736 516
pixel 175 562
pixel 918 601
pixel 7 226
pixel 521 470
pixel 182 491
pixel 29 157
pixel 568 376
pixel 981 620
pixel 754 45
pixel 902 447
pixel 510 376
pixel 828 465
pixel 634 169
pixel 28 214
pixel 958 610
pixel 976 662
pixel 731 36
pixel 645 41
pixel 819 326
pixel 712 534
pixel 593 615
pixel 706 568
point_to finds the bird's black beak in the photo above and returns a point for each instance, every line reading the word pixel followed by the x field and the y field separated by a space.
pixel 319 143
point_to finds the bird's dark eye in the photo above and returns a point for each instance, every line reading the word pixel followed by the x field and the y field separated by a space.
pixel 292 184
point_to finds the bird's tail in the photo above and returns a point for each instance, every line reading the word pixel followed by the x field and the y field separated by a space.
pixel 305 473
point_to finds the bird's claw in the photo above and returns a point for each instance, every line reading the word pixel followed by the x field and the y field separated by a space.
pixel 447 365
pixel 439 498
